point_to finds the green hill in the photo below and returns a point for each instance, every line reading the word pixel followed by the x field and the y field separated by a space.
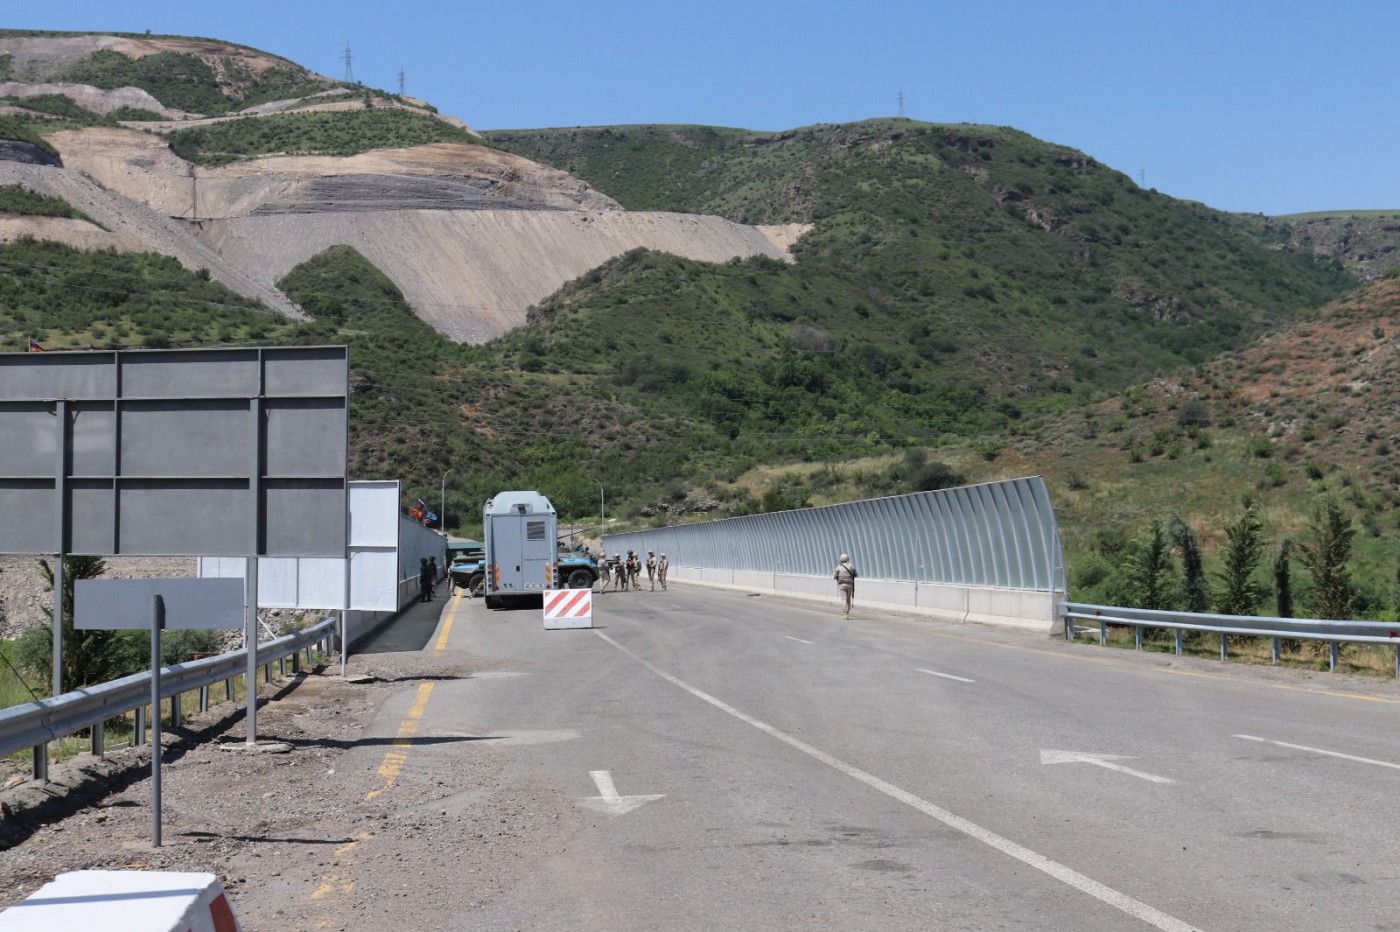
pixel 965 272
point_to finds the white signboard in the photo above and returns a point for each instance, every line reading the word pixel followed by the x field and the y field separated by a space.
pixel 319 583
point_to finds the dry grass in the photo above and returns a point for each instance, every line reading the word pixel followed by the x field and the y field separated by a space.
pixel 1363 659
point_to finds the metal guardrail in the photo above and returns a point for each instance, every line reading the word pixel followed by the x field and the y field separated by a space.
pixel 1309 629
pixel 35 724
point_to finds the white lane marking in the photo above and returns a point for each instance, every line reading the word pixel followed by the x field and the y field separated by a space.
pixel 1104 894
pixel 946 676
pixel 798 640
pixel 607 799
pixel 1098 760
pixel 1302 747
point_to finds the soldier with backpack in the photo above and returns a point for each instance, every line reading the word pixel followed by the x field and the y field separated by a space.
pixel 845 575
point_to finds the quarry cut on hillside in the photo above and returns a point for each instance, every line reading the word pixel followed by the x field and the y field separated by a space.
pixel 471 235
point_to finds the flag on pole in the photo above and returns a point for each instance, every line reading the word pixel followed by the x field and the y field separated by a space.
pixel 418 509
pixel 34 346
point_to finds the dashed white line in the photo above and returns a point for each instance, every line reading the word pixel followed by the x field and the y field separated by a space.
pixel 1067 875
pixel 946 676
pixel 1338 754
pixel 799 640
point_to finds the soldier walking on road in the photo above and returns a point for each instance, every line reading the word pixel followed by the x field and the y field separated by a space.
pixel 651 569
pixel 845 575
pixel 604 573
pixel 634 570
pixel 662 566
pixel 620 572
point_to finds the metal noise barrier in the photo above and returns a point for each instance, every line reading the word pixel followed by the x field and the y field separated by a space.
pixel 45 720
pixel 998 534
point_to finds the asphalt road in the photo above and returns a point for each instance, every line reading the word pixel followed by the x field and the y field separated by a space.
pixel 745 762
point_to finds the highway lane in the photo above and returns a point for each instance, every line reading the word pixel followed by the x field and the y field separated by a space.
pixel 821 772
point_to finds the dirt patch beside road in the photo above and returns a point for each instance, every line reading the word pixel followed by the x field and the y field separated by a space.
pixel 312 838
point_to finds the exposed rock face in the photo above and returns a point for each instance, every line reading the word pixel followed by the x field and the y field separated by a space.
pixel 472 274
pixel 15 151
pixel 131 227
pixel 473 236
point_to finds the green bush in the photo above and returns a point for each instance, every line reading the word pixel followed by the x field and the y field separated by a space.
pixel 17 199
pixel 340 133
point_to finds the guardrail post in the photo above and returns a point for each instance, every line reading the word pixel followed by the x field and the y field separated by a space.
pixel 1178 642
pixel 139 738
pixel 228 689
pixel 1103 633
pixel 175 711
pixel 204 698
pixel 99 739
pixel 41 762
pixel 1274 650
pixel 1137 637
pixel 1224 647
pixel 267 673
pixel 1332 656
pixel 1397 661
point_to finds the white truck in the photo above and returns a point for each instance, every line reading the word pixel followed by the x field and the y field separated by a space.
pixel 521 546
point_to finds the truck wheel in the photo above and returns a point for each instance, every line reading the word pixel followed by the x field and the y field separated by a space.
pixel 493 601
pixel 581 579
pixel 475 582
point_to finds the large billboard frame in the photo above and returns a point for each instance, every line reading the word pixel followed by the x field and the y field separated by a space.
pixel 178 452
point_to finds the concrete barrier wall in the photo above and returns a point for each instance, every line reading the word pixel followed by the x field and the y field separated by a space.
pixel 1018 608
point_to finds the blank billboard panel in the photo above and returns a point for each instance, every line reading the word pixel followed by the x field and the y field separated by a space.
pixel 175 452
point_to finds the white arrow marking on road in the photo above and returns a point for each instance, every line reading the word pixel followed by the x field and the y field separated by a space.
pixel 608 801
pixel 1099 760
pixel 1304 747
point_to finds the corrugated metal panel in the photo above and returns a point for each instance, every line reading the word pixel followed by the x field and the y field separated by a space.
pixel 999 534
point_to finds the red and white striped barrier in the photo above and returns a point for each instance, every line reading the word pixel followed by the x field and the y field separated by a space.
pixel 124 901
pixel 568 608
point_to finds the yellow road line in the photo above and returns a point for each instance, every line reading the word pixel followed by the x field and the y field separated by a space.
pixel 396 756
pixel 447 624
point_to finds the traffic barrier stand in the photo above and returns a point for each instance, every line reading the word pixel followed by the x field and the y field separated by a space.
pixel 568 608
pixel 124 901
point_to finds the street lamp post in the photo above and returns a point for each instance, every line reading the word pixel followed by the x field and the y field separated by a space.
pixel 442 515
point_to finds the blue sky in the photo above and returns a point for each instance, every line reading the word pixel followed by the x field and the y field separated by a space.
pixel 1247 105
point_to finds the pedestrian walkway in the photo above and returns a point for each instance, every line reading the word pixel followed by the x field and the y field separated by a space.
pixel 410 630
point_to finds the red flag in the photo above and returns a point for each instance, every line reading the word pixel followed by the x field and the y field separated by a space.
pixel 34 346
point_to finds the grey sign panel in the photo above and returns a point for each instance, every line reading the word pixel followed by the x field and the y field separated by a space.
pixel 174 452
pixel 190 604
pixel 31 376
pixel 28 440
pixel 183 374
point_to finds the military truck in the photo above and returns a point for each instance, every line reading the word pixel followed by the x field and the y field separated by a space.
pixel 522 556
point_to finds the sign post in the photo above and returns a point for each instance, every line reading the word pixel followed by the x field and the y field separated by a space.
pixel 157 626
pixel 132 604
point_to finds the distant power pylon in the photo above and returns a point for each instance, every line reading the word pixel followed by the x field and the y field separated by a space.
pixel 349 71
pixel 400 82
pixel 900 97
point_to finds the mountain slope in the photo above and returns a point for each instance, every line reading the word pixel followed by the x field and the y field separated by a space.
pixel 268 165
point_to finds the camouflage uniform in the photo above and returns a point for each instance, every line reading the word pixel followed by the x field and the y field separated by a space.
pixel 651 569
pixel 662 566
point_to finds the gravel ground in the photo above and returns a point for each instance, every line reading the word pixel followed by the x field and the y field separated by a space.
pixel 300 839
